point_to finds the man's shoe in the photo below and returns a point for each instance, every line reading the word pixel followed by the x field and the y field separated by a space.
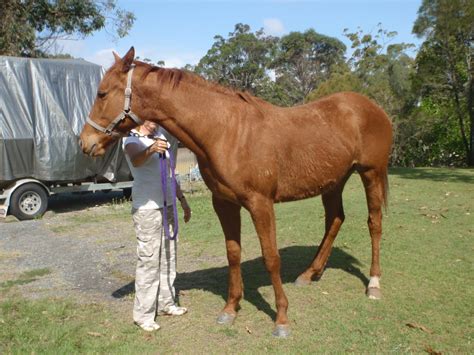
pixel 174 310
pixel 149 327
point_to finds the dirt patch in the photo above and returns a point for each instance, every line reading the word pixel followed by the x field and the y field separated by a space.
pixel 89 257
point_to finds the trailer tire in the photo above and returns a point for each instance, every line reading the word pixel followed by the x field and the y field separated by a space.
pixel 29 201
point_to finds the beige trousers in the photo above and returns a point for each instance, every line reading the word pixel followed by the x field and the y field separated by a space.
pixel 156 265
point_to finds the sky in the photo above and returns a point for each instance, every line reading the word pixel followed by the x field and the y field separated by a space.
pixel 181 32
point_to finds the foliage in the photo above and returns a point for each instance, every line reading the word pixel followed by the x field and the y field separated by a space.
pixel 445 65
pixel 240 61
pixel 340 79
pixel 383 70
pixel 280 70
pixel 426 137
pixel 32 27
pixel 305 60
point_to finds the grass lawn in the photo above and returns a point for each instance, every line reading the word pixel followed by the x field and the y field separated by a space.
pixel 427 283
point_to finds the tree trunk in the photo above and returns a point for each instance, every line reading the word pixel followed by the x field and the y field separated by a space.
pixel 470 108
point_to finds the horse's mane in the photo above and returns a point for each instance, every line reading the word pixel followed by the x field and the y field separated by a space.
pixel 175 76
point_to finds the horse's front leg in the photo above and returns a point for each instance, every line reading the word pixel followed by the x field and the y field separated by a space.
pixel 229 216
pixel 263 216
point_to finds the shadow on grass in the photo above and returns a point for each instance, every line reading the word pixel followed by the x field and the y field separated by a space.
pixel 435 174
pixel 68 202
pixel 294 259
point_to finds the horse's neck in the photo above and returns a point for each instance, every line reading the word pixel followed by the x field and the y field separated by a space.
pixel 196 116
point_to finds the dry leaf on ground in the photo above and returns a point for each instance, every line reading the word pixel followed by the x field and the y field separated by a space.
pixel 418 326
pixel 94 334
pixel 430 351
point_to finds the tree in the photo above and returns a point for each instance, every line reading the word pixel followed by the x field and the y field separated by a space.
pixel 445 64
pixel 240 61
pixel 304 60
pixel 31 27
pixel 340 79
pixel 382 68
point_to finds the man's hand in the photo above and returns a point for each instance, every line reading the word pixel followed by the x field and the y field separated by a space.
pixel 160 146
pixel 186 209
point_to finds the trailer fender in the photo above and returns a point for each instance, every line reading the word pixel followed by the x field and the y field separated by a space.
pixel 7 193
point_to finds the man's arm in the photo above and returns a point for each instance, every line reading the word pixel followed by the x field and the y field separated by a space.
pixel 139 156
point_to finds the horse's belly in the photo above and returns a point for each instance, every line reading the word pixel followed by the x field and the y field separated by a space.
pixel 313 183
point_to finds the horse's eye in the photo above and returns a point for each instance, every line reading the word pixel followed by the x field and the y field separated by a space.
pixel 101 94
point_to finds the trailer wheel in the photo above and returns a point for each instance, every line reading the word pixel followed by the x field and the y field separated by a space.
pixel 29 201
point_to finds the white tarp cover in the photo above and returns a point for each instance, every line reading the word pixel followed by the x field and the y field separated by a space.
pixel 43 106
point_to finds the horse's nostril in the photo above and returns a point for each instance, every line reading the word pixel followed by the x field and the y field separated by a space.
pixel 80 143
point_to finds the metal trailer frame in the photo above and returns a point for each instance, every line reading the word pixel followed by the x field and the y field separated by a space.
pixel 6 194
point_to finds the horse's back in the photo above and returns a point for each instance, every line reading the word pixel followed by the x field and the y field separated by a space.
pixel 327 139
pixel 358 115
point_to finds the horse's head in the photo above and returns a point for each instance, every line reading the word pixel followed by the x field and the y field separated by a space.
pixel 111 116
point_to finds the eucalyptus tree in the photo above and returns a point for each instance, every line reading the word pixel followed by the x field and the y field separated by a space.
pixel 32 27
pixel 445 67
pixel 239 61
pixel 304 60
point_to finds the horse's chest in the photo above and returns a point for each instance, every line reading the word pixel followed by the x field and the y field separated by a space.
pixel 216 185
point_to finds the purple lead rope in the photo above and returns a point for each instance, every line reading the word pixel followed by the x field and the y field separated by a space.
pixel 164 183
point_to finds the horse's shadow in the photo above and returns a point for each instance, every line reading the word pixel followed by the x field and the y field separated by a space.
pixel 294 260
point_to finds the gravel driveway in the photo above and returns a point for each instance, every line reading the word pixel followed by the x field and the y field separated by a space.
pixel 89 259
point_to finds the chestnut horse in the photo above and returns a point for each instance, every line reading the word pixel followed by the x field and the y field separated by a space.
pixel 252 154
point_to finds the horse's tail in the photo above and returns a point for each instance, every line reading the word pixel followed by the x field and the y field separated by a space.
pixel 385 187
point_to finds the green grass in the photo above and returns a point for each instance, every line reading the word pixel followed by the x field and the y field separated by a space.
pixel 25 278
pixel 427 265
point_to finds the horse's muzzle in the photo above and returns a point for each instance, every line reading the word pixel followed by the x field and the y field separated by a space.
pixel 88 148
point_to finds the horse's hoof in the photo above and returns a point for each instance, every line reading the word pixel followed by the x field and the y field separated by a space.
pixel 281 331
pixel 374 293
pixel 302 281
pixel 225 318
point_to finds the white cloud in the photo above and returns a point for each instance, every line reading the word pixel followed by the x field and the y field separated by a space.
pixel 273 27
pixel 103 57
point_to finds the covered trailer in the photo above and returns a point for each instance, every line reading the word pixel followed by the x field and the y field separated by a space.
pixel 43 107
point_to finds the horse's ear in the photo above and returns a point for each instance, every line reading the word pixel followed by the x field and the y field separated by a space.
pixel 117 57
pixel 128 59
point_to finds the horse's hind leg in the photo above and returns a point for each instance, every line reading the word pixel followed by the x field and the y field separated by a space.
pixel 229 216
pixel 334 217
pixel 375 186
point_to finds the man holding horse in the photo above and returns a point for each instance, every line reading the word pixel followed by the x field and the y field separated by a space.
pixel 156 264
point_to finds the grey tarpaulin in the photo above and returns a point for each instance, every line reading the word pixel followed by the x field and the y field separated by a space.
pixel 43 107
